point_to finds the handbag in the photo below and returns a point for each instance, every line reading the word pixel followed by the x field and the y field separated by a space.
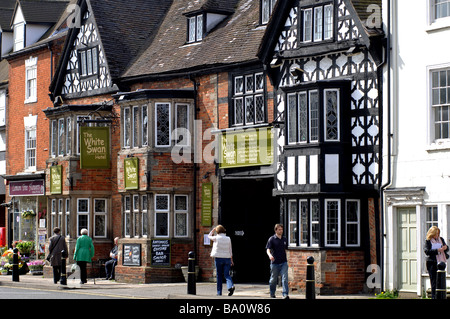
pixel 49 256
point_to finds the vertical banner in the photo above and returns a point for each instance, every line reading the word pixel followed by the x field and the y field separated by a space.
pixel 207 196
pixel 131 172
pixel 56 179
pixel 94 147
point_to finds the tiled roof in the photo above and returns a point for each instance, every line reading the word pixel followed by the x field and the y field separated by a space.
pixel 42 11
pixel 6 13
pixel 125 26
pixel 234 40
pixel 212 6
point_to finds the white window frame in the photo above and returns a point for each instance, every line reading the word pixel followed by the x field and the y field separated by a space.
pixel 144 128
pixel 300 221
pixel 184 130
pixel 30 150
pixel 53 213
pixel 195 28
pixel 266 10
pixel 328 22
pixel 136 216
pixel 83 213
pixel 104 214
pixel 338 244
pixel 31 80
pixel 292 222
pixel 127 215
pixel 162 211
pixel 169 105
pixel 135 127
pixel 181 212
pixel 67 217
pixel 358 223
pixel 307 26
pixel 19 36
pixel 144 222
pixel 127 127
pixel 314 222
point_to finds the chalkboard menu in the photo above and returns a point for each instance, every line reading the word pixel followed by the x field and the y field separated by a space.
pixel 161 252
pixel 131 254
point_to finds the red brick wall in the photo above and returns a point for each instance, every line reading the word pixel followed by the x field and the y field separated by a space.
pixel 336 271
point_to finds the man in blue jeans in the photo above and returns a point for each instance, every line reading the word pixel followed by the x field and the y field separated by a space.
pixel 276 250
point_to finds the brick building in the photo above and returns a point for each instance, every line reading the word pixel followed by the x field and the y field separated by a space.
pixel 37 40
pixel 160 126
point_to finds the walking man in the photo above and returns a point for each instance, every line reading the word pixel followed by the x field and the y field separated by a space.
pixel 276 250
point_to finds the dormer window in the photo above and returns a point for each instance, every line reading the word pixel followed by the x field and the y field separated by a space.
pixel 195 28
pixel 88 61
pixel 441 8
pixel 266 10
pixel 317 23
pixel 19 36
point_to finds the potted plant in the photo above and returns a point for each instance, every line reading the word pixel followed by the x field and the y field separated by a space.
pixel 28 214
pixel 36 267
pixel 24 247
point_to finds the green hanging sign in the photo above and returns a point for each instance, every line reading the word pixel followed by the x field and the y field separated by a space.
pixel 207 197
pixel 249 147
pixel 56 179
pixel 131 173
pixel 94 147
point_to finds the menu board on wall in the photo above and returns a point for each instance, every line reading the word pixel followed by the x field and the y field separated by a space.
pixel 131 254
pixel 161 252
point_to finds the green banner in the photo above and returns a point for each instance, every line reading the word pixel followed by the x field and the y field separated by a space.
pixel 207 197
pixel 94 147
pixel 131 173
pixel 250 147
pixel 56 179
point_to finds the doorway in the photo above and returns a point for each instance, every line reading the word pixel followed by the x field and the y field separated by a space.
pixel 249 213
pixel 407 249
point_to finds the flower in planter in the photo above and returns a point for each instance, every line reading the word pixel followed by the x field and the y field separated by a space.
pixel 36 265
pixel 28 214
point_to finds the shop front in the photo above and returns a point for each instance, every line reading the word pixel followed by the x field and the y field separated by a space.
pixel 27 212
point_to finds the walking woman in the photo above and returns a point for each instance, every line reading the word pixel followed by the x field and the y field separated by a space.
pixel 223 254
pixel 436 250
pixel 84 251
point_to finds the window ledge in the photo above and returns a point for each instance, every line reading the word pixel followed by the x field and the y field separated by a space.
pixel 438 25
pixel 438 146
pixel 30 100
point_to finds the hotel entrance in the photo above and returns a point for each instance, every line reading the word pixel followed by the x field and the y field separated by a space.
pixel 249 213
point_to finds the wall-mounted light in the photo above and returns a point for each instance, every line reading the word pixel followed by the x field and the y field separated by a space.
pixel 296 71
pixel 276 62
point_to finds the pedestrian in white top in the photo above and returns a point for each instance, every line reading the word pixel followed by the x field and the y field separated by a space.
pixel 223 254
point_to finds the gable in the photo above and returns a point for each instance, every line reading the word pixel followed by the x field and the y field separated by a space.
pixel 87 69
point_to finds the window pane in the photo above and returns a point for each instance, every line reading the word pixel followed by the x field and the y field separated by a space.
pixel 314 115
pixel 318 23
pixel 249 110
pixel 292 117
pixel 332 220
pixel 303 116
pixel 181 224
pixel 292 222
pixel 100 225
pixel 352 223
pixel 182 123
pixel 94 60
pixel 238 111
pixel 315 213
pixel 127 127
pixel 199 27
pixel 238 85
pixel 192 29
pixel 69 135
pixel 259 108
pixel 161 224
pixel 332 116
pixel 163 124
pixel 328 23
pixel 307 25
pixel 61 137
pixel 303 222
pixel 135 126
pixel 144 125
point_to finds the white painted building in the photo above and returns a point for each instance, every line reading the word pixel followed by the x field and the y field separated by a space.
pixel 417 177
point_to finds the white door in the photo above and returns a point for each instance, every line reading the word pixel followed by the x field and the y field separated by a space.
pixel 407 249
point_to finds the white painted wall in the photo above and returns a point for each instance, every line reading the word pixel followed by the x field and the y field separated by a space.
pixel 418 45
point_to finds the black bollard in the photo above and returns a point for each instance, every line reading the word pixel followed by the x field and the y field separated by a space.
pixel 310 282
pixel 441 289
pixel 63 280
pixel 15 265
pixel 191 289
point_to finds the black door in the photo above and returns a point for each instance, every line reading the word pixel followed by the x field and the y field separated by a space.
pixel 249 213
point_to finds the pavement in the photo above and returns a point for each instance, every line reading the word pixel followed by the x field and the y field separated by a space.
pixel 111 288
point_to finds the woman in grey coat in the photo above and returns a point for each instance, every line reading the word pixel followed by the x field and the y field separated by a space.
pixel 57 245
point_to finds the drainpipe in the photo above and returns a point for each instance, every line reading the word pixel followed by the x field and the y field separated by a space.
pixel 389 139
pixel 195 84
